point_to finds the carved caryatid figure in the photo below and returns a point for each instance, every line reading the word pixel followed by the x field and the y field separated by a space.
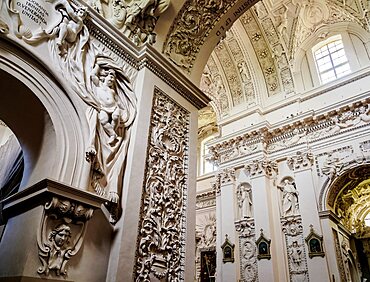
pixel 113 109
pixel 245 201
pixel 290 205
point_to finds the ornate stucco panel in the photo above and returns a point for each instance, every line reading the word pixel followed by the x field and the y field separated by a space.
pixel 191 27
pixel 162 226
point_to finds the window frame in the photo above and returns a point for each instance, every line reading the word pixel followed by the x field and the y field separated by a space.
pixel 325 43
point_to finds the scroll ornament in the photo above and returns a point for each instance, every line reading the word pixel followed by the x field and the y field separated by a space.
pixel 61 234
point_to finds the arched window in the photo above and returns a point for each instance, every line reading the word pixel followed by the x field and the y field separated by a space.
pixel 206 166
pixel 331 60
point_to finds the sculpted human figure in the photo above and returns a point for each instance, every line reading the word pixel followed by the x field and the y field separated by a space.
pixel 332 165
pixel 70 27
pixel 245 201
pixel 243 70
pixel 59 240
pixel 290 198
pixel 110 114
pixel 295 255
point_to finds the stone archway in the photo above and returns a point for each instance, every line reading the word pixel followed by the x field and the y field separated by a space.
pixel 43 118
pixel 348 197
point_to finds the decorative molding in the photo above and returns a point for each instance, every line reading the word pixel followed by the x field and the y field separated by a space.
pixel 61 234
pixel 306 131
pixel 206 200
pixel 160 249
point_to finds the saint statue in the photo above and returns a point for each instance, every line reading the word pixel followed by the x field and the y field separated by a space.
pixel 245 201
pixel 290 198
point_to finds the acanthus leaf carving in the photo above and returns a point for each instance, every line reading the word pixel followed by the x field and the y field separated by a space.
pixel 292 226
pixel 162 227
pixel 262 166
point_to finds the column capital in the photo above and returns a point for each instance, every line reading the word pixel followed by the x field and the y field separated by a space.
pixel 301 160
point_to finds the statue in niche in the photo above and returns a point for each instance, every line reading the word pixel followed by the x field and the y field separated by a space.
pixel 58 250
pixel 290 206
pixel 245 201
pixel 112 112
pixel 295 256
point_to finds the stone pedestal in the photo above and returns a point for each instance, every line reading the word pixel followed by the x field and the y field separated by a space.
pixel 48 235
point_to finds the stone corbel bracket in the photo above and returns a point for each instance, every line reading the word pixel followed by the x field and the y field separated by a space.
pixel 63 223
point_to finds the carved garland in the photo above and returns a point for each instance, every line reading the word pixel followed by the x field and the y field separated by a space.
pixel 161 240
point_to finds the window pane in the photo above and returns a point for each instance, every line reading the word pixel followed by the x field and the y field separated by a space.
pixel 331 61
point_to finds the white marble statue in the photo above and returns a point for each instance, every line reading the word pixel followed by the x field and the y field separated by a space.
pixel 290 206
pixel 245 201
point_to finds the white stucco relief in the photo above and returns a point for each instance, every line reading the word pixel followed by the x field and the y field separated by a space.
pixel 100 81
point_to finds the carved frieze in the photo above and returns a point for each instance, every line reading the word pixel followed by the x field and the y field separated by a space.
pixel 162 225
pixel 61 234
pixel 205 200
pixel 305 132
